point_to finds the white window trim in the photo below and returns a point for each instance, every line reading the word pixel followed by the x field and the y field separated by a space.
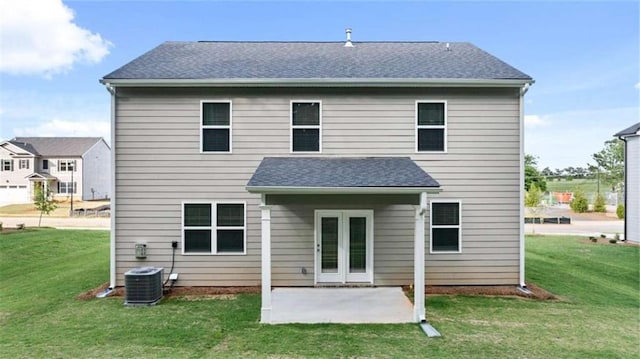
pixel 419 127
pixel 213 127
pixel 431 226
pixel 66 165
pixel 25 161
pixel 10 162
pixel 213 228
pixel 292 127
pixel 73 186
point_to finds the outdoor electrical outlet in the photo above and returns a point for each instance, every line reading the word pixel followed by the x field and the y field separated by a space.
pixel 174 244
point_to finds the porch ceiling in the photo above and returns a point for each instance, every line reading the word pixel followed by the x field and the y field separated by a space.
pixel 324 175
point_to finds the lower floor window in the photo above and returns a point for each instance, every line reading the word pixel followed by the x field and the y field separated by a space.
pixel 445 226
pixel 66 187
pixel 214 228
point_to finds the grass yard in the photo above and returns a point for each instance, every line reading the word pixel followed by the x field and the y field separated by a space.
pixel 586 185
pixel 42 271
pixel 63 209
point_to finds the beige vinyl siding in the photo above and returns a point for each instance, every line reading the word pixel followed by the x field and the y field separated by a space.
pixel 159 165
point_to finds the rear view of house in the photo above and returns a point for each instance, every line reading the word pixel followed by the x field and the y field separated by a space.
pixel 319 164
pixel 64 165
pixel 631 137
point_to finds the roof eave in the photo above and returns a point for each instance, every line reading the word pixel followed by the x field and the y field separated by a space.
pixel 316 82
pixel 341 190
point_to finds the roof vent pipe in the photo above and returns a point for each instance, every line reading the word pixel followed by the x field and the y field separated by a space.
pixel 348 43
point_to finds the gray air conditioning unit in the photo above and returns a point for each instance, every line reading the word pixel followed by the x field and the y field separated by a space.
pixel 143 286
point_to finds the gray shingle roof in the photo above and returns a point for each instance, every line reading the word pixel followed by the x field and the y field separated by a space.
pixel 316 60
pixel 632 130
pixel 338 172
pixel 56 146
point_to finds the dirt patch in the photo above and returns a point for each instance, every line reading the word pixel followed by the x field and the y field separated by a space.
pixel 228 293
pixel 489 290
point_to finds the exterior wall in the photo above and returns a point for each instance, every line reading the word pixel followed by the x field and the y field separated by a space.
pixel 96 173
pixel 633 188
pixel 65 176
pixel 159 165
pixel 14 187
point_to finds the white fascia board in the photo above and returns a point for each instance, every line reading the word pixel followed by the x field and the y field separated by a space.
pixel 342 190
pixel 316 82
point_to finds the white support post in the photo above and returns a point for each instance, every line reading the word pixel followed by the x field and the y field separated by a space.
pixel 265 310
pixel 418 262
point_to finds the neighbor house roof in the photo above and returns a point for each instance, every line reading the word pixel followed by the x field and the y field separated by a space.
pixel 630 131
pixel 307 173
pixel 315 61
pixel 56 146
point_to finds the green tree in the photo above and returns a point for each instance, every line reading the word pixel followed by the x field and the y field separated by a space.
pixel 533 201
pixel 44 202
pixel 610 162
pixel 532 175
pixel 600 204
pixel 579 203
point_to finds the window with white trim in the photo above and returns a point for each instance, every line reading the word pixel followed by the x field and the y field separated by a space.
pixel 445 227
pixel 306 120
pixel 6 165
pixel 23 163
pixel 66 187
pixel 66 165
pixel 215 126
pixel 214 228
pixel 431 126
pixel 45 164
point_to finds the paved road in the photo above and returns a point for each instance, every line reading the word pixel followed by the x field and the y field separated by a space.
pixel 58 222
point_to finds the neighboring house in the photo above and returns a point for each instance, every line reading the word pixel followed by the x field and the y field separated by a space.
pixel 64 165
pixel 631 138
pixel 319 163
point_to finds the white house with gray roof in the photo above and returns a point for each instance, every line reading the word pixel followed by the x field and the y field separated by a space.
pixel 301 164
pixel 631 138
pixel 64 165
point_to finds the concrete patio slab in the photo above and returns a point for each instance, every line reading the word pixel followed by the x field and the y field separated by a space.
pixel 340 305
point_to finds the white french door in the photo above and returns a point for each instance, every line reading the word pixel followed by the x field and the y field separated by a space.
pixel 344 246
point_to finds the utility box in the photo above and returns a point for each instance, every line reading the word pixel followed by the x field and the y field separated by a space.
pixel 141 250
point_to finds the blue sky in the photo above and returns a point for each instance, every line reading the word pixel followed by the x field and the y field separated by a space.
pixel 584 56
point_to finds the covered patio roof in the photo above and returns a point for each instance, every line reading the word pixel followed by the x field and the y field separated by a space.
pixel 322 175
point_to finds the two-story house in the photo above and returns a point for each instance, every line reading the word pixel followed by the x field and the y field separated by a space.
pixel 319 163
pixel 64 165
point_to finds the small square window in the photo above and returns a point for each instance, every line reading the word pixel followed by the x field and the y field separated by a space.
pixel 216 127
pixel 305 126
pixel 445 227
pixel 431 126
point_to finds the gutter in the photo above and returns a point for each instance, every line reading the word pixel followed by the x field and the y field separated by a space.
pixel 523 91
pixel 626 181
pixel 341 190
pixel 112 240
pixel 317 82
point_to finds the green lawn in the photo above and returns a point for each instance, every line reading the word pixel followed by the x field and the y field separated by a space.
pixel 41 272
pixel 585 185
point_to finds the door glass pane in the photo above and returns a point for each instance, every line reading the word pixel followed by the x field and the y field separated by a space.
pixel 329 244
pixel 357 244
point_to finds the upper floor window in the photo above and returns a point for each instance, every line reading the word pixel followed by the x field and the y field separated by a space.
pixel 216 126
pixel 306 120
pixel 431 126
pixel 45 164
pixel 6 165
pixel 67 165
pixel 445 226
pixel 23 163
pixel 214 228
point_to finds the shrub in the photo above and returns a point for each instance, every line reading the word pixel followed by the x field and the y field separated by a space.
pixel 600 204
pixel 620 211
pixel 614 241
pixel 593 239
pixel 602 235
pixel 579 204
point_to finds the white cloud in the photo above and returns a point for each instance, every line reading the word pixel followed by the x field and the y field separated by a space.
pixel 40 37
pixel 64 128
pixel 535 121
pixel 637 86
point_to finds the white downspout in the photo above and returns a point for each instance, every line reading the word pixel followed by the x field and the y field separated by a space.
pixel 523 91
pixel 419 311
pixel 112 242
